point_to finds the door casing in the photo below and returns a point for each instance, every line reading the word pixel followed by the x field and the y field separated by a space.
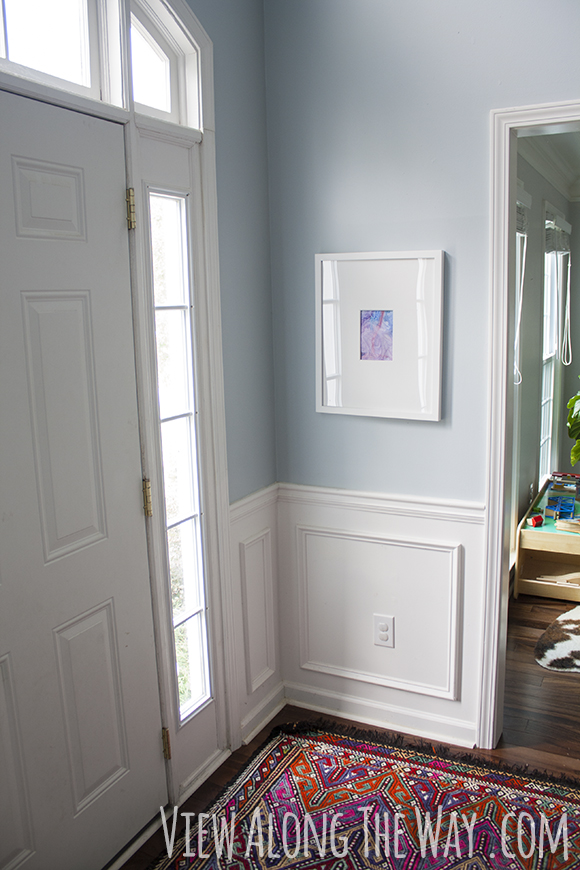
pixel 506 125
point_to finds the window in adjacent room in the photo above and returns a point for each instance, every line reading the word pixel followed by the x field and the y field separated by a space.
pixel 555 336
pixel 523 205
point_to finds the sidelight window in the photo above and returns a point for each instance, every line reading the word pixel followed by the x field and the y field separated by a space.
pixel 177 421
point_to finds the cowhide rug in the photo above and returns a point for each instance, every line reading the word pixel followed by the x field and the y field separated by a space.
pixel 558 649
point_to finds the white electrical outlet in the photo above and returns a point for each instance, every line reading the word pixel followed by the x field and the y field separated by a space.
pixel 384 630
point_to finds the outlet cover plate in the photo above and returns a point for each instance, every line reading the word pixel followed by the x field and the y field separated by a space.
pixel 383 630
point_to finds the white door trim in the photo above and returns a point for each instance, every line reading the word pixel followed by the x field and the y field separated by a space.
pixel 505 126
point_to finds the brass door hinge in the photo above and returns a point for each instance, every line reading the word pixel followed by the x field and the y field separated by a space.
pixel 147 502
pixel 131 218
pixel 166 743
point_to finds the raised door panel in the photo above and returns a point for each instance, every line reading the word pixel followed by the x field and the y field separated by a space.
pixel 62 387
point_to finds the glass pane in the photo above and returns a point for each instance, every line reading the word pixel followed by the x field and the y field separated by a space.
pixel 50 37
pixel 150 69
pixel 330 328
pixel 552 277
pixel 192 668
pixel 171 333
pixel 333 393
pixel 329 280
pixel 169 250
pixel 178 469
pixel 185 568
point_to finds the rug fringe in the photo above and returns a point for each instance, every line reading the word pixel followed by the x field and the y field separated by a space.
pixel 437 750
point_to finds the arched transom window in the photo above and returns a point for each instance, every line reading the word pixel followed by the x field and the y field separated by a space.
pixel 123 52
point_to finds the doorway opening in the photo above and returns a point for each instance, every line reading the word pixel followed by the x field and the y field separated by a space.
pixel 516 135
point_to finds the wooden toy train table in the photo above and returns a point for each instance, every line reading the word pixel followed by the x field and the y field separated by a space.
pixel 547 559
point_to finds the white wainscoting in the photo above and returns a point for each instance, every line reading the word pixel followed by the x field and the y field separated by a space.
pixel 260 635
pixel 312 567
pixel 254 568
pixel 337 630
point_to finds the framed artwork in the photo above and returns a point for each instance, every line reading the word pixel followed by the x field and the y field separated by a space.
pixel 378 334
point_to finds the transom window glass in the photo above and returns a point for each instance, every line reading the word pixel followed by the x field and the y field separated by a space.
pixel 50 37
pixel 151 69
pixel 173 306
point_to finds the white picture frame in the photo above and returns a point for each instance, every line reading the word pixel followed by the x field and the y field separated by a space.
pixel 379 334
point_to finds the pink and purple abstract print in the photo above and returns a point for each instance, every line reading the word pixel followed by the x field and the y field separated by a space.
pixel 376 335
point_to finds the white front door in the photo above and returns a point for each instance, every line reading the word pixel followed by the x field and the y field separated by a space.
pixel 81 765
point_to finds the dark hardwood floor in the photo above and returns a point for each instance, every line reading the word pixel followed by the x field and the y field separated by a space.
pixel 541 717
pixel 542 708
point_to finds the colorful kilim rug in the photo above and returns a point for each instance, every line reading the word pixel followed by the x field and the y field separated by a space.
pixel 314 799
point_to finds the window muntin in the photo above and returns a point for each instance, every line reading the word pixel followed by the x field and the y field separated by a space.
pixel 173 308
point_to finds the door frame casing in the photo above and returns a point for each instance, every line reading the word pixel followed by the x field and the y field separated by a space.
pixel 505 126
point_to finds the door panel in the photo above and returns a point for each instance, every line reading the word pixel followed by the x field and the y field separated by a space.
pixel 62 386
pixel 80 725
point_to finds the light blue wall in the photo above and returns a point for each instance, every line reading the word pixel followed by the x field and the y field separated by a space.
pixel 236 30
pixel 378 124
pixel 377 127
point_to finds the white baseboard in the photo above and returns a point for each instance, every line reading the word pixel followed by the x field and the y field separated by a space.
pixel 263 713
pixel 380 715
